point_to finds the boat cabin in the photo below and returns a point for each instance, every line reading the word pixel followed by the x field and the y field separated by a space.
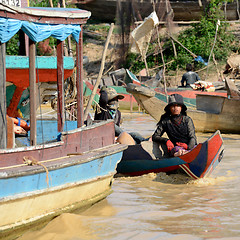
pixel 25 72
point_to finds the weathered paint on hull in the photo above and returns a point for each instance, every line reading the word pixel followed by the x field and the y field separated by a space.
pixel 189 95
pixel 27 198
pixel 227 121
pixel 23 213
pixel 81 168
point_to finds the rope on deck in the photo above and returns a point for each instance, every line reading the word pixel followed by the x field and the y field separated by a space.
pixel 31 161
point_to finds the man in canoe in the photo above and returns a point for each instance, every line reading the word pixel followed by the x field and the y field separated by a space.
pixel 177 125
pixel 189 77
pixel 108 109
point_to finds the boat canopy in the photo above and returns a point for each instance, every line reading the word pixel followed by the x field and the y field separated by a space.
pixel 41 23
pixel 37 31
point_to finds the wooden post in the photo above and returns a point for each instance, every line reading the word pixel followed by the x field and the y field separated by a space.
pixel 60 89
pixel 3 123
pixel 12 107
pixel 32 87
pixel 79 80
pixel 87 109
pixel 131 103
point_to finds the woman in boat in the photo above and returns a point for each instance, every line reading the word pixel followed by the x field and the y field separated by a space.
pixel 177 125
pixel 189 77
pixel 108 109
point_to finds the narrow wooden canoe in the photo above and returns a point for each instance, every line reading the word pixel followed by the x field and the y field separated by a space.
pixel 149 157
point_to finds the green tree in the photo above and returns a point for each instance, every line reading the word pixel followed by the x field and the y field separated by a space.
pixel 199 39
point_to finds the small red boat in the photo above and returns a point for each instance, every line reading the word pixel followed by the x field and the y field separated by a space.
pixel 147 157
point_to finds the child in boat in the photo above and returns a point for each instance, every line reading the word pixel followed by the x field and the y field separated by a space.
pixel 177 125
pixel 108 109
pixel 189 77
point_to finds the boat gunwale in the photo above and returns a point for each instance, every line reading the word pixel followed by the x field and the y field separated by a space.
pixel 59 163
pixel 55 143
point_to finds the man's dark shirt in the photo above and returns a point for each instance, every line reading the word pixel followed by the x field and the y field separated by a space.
pixel 178 128
pixel 189 78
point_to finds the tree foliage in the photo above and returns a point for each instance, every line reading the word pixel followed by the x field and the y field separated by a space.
pixel 199 39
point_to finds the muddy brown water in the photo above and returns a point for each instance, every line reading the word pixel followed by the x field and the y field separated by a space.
pixel 157 206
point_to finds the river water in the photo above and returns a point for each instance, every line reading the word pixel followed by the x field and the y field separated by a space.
pixel 157 206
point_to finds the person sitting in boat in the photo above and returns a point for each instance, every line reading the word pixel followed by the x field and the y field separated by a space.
pixel 109 109
pixel 177 125
pixel 20 126
pixel 189 77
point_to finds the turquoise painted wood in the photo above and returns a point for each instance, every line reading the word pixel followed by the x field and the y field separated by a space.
pixel 42 62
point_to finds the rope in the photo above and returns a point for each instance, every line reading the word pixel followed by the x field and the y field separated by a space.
pixel 21 165
pixel 31 161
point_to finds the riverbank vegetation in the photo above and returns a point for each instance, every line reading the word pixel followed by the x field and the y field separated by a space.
pixel 202 39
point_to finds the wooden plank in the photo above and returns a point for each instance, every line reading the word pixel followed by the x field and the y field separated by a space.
pixel 79 81
pixel 232 90
pixel 60 76
pixel 10 133
pixel 3 131
pixel 32 87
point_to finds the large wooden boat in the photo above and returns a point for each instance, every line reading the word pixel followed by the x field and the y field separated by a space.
pixel 217 112
pixel 188 93
pixel 60 165
pixel 150 157
pixel 183 10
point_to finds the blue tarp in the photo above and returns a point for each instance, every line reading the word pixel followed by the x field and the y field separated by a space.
pixel 37 31
pixel 200 59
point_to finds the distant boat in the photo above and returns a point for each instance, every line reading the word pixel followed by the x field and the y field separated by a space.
pixel 188 94
pixel 150 157
pixel 59 165
pixel 183 10
pixel 212 113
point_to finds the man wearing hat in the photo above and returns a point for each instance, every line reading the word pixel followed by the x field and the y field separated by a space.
pixel 108 107
pixel 177 125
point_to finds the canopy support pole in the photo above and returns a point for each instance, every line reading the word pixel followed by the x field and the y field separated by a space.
pixel 32 87
pixel 3 123
pixel 79 80
pixel 60 89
